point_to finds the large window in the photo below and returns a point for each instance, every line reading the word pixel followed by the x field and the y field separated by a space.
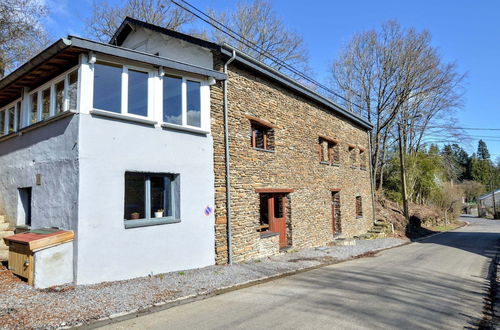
pixel 107 87
pixel 172 100
pixel 120 89
pixel 181 105
pixel 193 103
pixel 138 93
pixel 151 196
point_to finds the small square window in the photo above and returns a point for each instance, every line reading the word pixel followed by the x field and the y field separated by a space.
pixel 262 137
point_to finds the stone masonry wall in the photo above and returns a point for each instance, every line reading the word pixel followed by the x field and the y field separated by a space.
pixel 294 164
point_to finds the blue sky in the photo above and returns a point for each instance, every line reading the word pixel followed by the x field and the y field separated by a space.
pixel 465 32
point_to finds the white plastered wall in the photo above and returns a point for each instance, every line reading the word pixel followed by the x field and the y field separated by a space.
pixel 108 251
pixel 153 42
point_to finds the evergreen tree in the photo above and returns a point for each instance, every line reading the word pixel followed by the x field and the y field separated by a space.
pixel 482 151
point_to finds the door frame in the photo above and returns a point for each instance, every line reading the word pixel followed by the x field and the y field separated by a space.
pixel 334 229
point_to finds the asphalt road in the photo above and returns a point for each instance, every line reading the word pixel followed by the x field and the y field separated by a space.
pixel 438 283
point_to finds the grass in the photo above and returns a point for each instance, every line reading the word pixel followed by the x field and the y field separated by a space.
pixel 451 226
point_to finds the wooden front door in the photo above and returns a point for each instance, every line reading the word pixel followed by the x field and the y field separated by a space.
pixel 277 216
pixel 336 222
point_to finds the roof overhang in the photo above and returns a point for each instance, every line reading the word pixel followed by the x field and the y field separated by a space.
pixel 288 82
pixel 64 53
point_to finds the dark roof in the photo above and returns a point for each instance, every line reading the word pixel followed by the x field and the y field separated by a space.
pixel 248 61
pixel 64 53
pixel 127 26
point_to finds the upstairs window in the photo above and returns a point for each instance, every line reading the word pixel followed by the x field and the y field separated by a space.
pixel 359 207
pixel 52 99
pixel 2 122
pixel 262 137
pixel 182 101
pixel 120 89
pixel 328 150
pixel 362 159
pixel 9 119
pixel 261 134
pixel 107 87
pixel 172 100
pixel 352 155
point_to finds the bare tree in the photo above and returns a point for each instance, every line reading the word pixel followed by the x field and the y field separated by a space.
pixel 394 77
pixel 257 22
pixel 21 33
pixel 106 18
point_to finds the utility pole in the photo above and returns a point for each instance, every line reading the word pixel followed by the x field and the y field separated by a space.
pixel 493 195
pixel 403 175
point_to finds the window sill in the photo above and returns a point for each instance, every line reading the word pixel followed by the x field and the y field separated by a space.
pixel 354 167
pixel 149 222
pixel 264 150
pixel 38 124
pixel 185 128
pixel 267 234
pixel 114 115
pixel 336 165
pixel 359 217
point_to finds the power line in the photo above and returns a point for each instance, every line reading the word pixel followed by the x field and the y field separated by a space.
pixel 223 28
pixel 463 128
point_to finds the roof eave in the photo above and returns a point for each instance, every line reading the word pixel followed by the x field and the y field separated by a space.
pixel 43 56
pixel 266 70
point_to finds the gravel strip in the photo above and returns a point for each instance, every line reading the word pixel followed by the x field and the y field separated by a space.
pixel 23 307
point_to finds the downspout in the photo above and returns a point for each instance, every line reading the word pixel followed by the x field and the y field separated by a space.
pixel 372 178
pixel 228 178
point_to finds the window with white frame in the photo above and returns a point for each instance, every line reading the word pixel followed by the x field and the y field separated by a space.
pixel 52 98
pixel 151 195
pixel 9 118
pixel 2 122
pixel 182 101
pixel 121 89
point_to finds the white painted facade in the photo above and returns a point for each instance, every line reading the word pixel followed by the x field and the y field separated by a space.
pixel 76 168
pixel 152 42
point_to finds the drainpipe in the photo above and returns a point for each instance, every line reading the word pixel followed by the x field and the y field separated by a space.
pixel 372 179
pixel 228 178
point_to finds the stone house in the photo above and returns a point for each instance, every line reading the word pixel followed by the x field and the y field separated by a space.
pixel 297 163
pixel 134 144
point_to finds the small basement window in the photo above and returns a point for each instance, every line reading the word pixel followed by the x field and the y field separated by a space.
pixel 151 199
pixel 359 207
pixel 262 136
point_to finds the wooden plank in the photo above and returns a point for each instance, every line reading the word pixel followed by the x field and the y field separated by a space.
pixel 273 191
pixel 36 241
pixel 263 122
pixel 329 139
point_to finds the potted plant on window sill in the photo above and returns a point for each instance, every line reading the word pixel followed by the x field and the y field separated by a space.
pixel 135 215
pixel 159 213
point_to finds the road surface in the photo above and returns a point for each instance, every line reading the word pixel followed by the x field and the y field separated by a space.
pixel 438 283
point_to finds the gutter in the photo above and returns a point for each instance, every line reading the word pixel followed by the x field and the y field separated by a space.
pixel 228 177
pixel 372 180
pixel 274 74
